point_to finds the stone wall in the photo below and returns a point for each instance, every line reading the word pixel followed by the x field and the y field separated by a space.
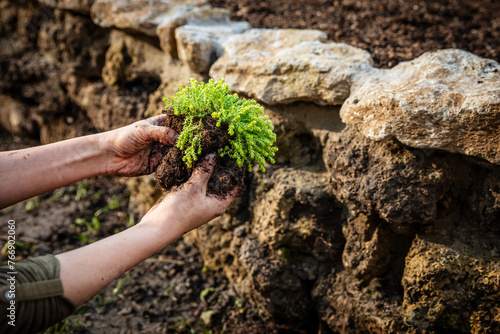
pixel 382 213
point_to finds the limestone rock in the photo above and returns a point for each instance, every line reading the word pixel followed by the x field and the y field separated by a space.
pixel 279 220
pixel 139 16
pixel 75 42
pixel 447 100
pixel 276 287
pixel 400 185
pixel 367 252
pixel 131 59
pixel 54 129
pixel 349 307
pixel 106 108
pixel 81 6
pixel 15 117
pixel 281 66
pixel 199 42
pixel 453 283
pixel 296 142
pixel 273 258
pixel 204 16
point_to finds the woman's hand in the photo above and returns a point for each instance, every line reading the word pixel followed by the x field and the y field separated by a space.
pixel 87 270
pixel 135 149
pixel 189 206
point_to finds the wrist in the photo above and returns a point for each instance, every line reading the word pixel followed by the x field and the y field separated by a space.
pixel 104 144
pixel 160 231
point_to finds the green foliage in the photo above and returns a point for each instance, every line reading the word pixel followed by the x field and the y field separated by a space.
pixel 251 135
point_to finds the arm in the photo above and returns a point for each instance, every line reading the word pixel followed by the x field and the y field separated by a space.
pixel 131 150
pixel 87 270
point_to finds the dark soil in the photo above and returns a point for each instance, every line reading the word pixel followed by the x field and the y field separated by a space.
pixel 391 30
pixel 172 171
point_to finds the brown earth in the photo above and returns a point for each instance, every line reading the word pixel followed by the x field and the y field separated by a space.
pixel 391 30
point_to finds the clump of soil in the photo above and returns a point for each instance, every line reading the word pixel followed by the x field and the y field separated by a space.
pixel 172 171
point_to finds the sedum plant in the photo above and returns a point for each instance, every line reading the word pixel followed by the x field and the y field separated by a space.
pixel 251 135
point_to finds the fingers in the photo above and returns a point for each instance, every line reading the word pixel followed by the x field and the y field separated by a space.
pixel 231 196
pixel 163 135
pixel 157 120
pixel 158 132
pixel 202 173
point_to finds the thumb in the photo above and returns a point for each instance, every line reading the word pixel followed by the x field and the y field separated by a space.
pixel 203 172
pixel 162 134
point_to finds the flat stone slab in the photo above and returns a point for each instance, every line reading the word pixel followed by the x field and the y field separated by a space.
pixel 199 42
pixel 286 65
pixel 140 16
pixel 447 100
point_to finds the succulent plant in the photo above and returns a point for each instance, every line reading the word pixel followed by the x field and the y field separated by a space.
pixel 251 135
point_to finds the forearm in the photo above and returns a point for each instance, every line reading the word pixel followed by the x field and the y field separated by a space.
pixel 33 171
pixel 87 270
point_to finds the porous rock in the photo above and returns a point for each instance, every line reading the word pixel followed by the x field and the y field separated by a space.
pixel 296 142
pixel 139 16
pixel 401 185
pixel 130 59
pixel 447 100
pixel 452 283
pixel 273 253
pixel 75 43
pixel 280 215
pixel 285 65
pixel 107 109
pixel 367 252
pixel 199 42
pixel 15 117
pixel 346 306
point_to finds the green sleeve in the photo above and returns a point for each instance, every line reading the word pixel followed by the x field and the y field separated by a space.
pixel 39 300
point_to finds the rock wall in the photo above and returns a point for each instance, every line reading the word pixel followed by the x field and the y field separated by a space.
pixel 382 213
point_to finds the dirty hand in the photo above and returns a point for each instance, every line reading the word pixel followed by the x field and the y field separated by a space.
pixel 189 206
pixel 135 149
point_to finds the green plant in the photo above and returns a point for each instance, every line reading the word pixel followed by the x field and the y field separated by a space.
pixel 251 135
pixel 32 204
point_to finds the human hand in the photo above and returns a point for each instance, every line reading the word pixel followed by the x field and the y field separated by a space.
pixel 189 206
pixel 135 149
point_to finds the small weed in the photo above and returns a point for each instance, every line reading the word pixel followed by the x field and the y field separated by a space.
pixel 130 220
pixel 103 300
pixel 32 204
pixel 205 292
pixel 166 293
pixel 68 326
pixel 95 224
pixel 97 194
pixel 205 330
pixel 20 246
pixel 116 290
pixel 81 191
pixel 286 254
pixel 181 325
